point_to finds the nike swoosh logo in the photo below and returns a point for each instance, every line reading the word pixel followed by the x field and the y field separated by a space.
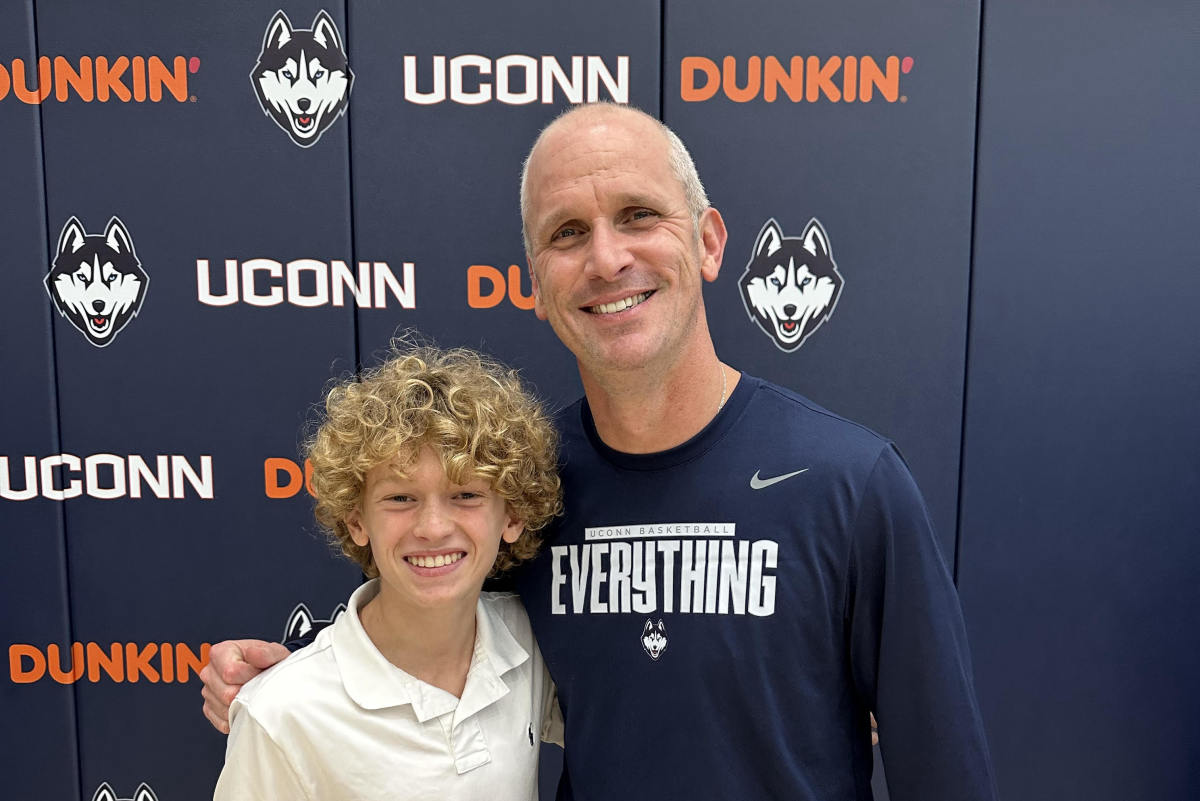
pixel 760 483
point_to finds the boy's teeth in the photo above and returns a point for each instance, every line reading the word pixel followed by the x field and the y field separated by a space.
pixel 620 305
pixel 441 560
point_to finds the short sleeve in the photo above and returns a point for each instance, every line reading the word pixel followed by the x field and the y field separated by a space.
pixel 256 768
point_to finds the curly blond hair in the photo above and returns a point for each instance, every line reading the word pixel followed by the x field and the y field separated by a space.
pixel 475 414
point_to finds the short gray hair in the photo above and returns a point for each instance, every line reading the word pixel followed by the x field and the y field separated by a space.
pixel 678 158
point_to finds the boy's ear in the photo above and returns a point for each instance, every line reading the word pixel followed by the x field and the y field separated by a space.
pixel 353 522
pixel 513 528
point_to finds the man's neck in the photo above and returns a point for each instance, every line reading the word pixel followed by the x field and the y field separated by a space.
pixel 652 409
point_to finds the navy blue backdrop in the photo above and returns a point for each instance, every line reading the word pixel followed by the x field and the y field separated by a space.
pixel 1009 193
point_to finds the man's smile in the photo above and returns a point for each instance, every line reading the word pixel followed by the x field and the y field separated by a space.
pixel 619 305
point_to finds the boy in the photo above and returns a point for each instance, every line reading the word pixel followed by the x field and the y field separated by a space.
pixel 432 472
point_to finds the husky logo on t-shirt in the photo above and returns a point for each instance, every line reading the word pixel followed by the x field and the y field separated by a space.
pixel 105 793
pixel 302 625
pixel 654 638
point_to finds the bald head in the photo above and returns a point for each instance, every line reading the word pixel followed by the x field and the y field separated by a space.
pixel 612 114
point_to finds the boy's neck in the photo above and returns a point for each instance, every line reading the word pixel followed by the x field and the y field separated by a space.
pixel 433 645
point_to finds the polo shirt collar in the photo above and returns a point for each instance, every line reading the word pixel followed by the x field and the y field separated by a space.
pixel 372 682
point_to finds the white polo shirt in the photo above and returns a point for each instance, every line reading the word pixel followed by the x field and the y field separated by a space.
pixel 336 721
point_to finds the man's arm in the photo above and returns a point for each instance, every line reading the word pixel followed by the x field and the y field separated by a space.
pixel 909 649
pixel 230 665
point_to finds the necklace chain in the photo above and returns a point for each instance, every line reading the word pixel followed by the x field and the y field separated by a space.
pixel 724 386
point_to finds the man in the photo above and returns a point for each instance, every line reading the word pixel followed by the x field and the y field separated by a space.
pixel 740 576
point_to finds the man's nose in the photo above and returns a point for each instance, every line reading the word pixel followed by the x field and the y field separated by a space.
pixel 608 254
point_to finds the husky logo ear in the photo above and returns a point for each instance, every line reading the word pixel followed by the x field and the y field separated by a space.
pixel 117 236
pixel 337 610
pixel 299 623
pixel 104 792
pixel 144 793
pixel 815 239
pixel 71 238
pixel 325 32
pixel 649 627
pixel 279 32
pixel 769 239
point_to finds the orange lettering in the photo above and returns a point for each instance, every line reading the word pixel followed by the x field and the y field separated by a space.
pixel 476 275
pixel 849 79
pixel 137 661
pixel 55 663
pixel 65 75
pixel 160 76
pixel 168 666
pixel 17 672
pixel 521 301
pixel 792 79
pixel 114 664
pixel 186 659
pixel 874 78
pixel 20 83
pixel 820 79
pixel 108 79
pixel 688 67
pixel 273 466
pixel 753 79
pixel 138 79
pixel 5 82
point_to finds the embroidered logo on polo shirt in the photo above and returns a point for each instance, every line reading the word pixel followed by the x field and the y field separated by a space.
pixel 654 638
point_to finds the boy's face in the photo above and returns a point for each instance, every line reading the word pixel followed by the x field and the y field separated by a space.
pixel 433 541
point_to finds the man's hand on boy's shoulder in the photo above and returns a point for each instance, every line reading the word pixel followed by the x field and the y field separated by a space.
pixel 230 665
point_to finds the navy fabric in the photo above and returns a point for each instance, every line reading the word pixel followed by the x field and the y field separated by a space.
pixel 721 617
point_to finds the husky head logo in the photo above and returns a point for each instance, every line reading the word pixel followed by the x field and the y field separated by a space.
pixel 654 638
pixel 105 793
pixel 96 280
pixel 790 285
pixel 302 79
pixel 301 623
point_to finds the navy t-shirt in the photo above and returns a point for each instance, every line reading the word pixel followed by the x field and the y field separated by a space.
pixel 720 617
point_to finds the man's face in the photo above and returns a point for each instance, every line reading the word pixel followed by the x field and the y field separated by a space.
pixel 617 262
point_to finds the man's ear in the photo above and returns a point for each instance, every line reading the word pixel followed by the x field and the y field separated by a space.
pixel 358 533
pixel 538 308
pixel 712 243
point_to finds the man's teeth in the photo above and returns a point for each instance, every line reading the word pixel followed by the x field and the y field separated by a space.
pixel 619 305
pixel 441 560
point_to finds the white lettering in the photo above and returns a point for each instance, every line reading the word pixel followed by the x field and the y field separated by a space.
pixel 438 94
pixel 273 269
pixel 159 481
pixel 544 78
pixel 618 88
pixel 31 482
pixel 557 579
pixel 763 554
pixel 527 64
pixel 406 294
pixel 360 287
pixel 715 577
pixel 320 273
pixel 91 472
pixel 202 484
pixel 656 530
pixel 231 285
pixel 63 476
pixel 459 95
pixel 552 73
pixel 49 490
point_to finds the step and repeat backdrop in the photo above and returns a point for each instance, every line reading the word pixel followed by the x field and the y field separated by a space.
pixel 201 232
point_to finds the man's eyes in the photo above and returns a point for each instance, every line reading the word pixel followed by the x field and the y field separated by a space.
pixel 564 232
